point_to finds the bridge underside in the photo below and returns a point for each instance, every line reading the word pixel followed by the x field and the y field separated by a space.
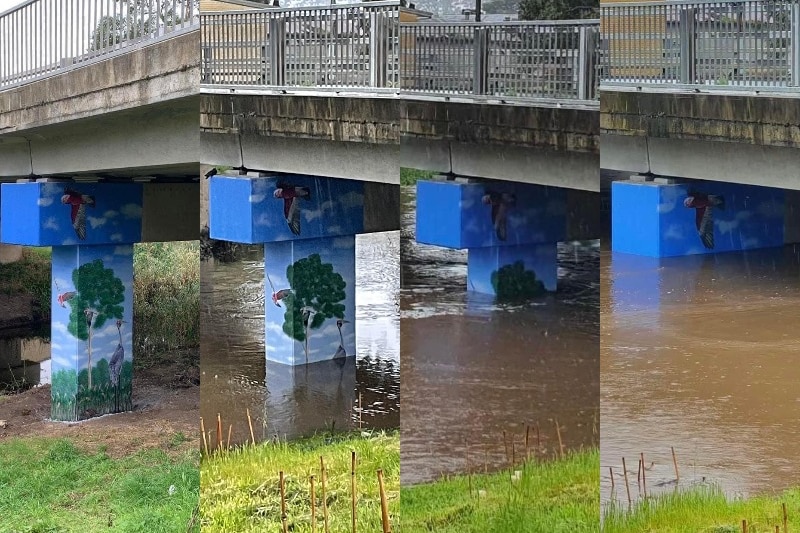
pixel 740 138
pixel 545 144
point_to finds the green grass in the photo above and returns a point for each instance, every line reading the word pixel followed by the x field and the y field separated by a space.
pixel 240 490
pixel 704 510
pixel 49 486
pixel 562 496
pixel 31 276
pixel 166 297
pixel 410 176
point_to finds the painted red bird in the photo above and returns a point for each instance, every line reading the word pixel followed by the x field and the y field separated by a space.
pixel 291 206
pixel 500 203
pixel 78 202
pixel 65 297
pixel 704 205
pixel 277 296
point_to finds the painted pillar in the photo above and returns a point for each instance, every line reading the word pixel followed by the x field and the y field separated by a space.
pixel 308 226
pixel 91 228
pixel 511 230
pixel 659 219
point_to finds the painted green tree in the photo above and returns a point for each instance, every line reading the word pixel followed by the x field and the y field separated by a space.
pixel 514 282
pixel 317 293
pixel 99 298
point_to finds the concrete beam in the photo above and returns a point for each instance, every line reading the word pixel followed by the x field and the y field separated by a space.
pixel 163 71
pixel 157 139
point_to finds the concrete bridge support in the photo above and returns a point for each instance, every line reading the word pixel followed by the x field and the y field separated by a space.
pixel 91 228
pixel 510 229
pixel 308 226
pixel 663 217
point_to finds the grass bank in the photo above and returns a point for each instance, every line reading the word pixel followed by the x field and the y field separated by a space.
pixel 240 489
pixel 410 176
pixel 30 276
pixel 705 510
pixel 561 496
pixel 49 486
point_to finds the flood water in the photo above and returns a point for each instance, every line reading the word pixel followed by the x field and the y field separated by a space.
pixel 472 369
pixel 701 354
pixel 292 402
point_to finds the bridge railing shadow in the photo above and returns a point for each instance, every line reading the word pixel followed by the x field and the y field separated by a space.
pixel 728 45
pixel 42 38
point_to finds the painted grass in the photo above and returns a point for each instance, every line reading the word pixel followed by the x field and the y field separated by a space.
pixel 562 496
pixel 49 486
pixel 410 176
pixel 704 510
pixel 240 490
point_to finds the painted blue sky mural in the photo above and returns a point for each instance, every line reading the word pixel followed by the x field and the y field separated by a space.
pixel 67 351
pixel 283 208
pixel 71 213
pixel 324 341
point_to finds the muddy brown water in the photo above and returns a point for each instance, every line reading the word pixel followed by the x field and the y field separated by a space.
pixel 700 353
pixel 286 402
pixel 472 369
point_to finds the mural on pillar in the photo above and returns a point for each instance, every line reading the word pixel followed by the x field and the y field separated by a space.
pixel 310 304
pixel 72 213
pixel 708 217
pixel 513 272
pixel 92 318
pixel 288 207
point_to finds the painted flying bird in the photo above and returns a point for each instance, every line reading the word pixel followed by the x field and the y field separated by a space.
pixel 78 202
pixel 704 205
pixel 341 352
pixel 65 297
pixel 277 296
pixel 115 364
pixel 212 172
pixel 291 206
pixel 500 202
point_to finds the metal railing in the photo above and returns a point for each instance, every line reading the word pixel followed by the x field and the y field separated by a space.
pixel 744 43
pixel 337 46
pixel 536 59
pixel 40 38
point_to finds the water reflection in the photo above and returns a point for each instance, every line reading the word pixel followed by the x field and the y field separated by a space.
pixel 473 369
pixel 291 402
pixel 700 353
pixel 24 361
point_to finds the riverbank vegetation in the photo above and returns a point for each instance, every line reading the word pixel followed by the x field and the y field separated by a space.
pixel 706 509
pixel 241 488
pixel 49 486
pixel 561 496
pixel 29 276
pixel 410 176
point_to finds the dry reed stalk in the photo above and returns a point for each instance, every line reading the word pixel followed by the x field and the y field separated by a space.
pixel 219 431
pixel 387 528
pixel 469 470
pixel 644 479
pixel 560 444
pixel 538 438
pixel 513 452
pixel 527 442
pixel 611 473
pixel 322 477
pixel 505 445
pixel 353 486
pixel 627 486
pixel 203 431
pixel 675 464
pixel 744 526
pixel 313 507
pixel 283 503
pixel 360 409
pixel 250 423
pixel 230 429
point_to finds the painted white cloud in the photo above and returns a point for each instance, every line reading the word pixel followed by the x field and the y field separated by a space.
pixel 343 243
pixel 131 211
pixel 256 198
pixel 123 250
pixel 96 222
pixel 265 219
pixel 675 232
pixel 46 201
pixel 51 223
pixel 116 237
pixel 110 213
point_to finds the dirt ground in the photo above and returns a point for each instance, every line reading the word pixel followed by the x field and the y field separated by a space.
pixel 166 400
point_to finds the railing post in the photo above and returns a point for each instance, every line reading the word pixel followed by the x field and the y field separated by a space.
pixel 277 51
pixel 587 62
pixel 378 50
pixel 688 35
pixel 480 75
pixel 207 64
pixel 795 45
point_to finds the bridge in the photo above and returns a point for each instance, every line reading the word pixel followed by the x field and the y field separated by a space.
pixel 98 151
pixel 701 98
